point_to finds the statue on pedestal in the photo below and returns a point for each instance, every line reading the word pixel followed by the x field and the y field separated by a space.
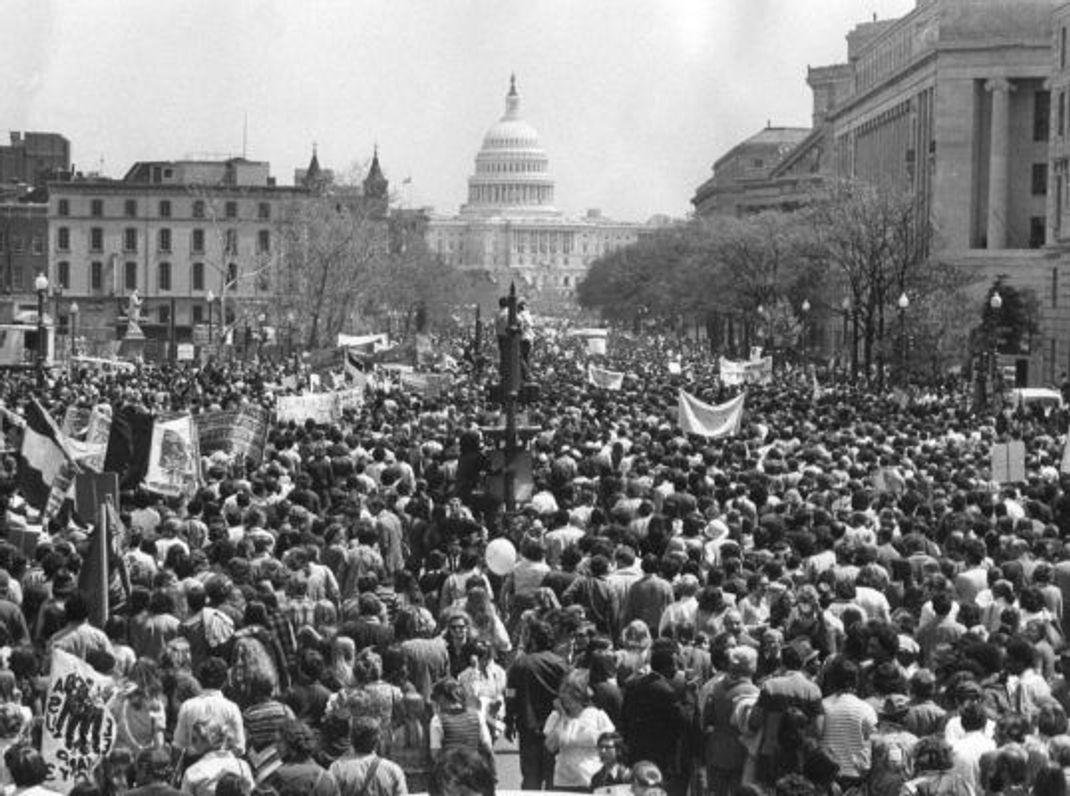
pixel 133 315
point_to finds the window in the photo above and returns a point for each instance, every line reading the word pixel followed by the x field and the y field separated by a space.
pixel 130 275
pixel 231 245
pixel 263 211
pixel 1040 179
pixel 163 281
pixel 198 209
pixel 163 314
pixel 63 207
pixel 37 245
pixel 231 209
pixel 263 241
pixel 165 208
pixel 96 208
pixel 1041 115
pixel 232 273
pixel 63 274
pixel 130 208
pixel 130 239
pixel 1037 232
pixel 17 244
pixel 96 275
pixel 196 241
pixel 96 239
pixel 198 276
pixel 63 239
pixel 198 313
pixel 164 240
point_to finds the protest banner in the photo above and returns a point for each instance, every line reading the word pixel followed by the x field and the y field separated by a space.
pixel 351 398
pixel 76 421
pixel 78 729
pixel 236 432
pixel 696 417
pixel 319 407
pixel 604 378
pixel 174 457
pixel 734 373
pixel 1008 462
pixel 427 385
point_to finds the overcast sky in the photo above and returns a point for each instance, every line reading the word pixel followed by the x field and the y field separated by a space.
pixel 633 99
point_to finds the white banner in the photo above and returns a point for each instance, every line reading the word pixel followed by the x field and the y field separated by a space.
pixel 78 728
pixel 705 420
pixel 734 373
pixel 320 407
pixel 604 378
pixel 174 457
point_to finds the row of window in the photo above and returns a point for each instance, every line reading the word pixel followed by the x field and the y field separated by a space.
pixel 163 240
pixel 130 275
pixel 198 209
pixel 18 243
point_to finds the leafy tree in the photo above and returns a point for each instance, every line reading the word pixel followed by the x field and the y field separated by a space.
pixel 1010 327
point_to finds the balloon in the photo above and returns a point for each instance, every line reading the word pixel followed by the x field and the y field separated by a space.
pixel 501 556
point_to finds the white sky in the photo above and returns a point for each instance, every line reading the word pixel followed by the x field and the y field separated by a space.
pixel 633 99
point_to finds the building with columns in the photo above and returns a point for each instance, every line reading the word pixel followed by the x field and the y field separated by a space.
pixel 509 229
pixel 963 103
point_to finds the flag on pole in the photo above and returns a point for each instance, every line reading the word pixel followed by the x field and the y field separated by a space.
pixel 101 576
pixel 42 456
pixel 710 421
pixel 128 445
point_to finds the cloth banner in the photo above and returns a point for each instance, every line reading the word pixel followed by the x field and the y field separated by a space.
pixel 78 730
pixel 1064 467
pixel 675 367
pixel 368 343
pixel 1008 462
pixel 236 432
pixel 76 421
pixel 604 378
pixel 351 398
pixel 319 407
pixel 427 385
pixel 734 373
pixel 174 457
pixel 705 420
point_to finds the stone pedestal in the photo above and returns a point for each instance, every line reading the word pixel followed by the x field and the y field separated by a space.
pixel 132 346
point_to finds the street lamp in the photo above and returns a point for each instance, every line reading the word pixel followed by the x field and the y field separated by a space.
pixel 40 284
pixel 74 309
pixel 805 309
pixel 996 303
pixel 904 302
pixel 210 298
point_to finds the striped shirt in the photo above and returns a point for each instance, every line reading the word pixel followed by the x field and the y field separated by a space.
pixel 849 723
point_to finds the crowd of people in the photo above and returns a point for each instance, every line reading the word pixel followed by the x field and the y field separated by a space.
pixel 836 599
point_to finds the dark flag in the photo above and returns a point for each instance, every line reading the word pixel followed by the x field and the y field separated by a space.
pixel 128 446
pixel 42 456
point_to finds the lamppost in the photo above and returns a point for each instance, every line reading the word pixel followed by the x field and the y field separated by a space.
pixel 805 308
pixel 996 303
pixel 74 328
pixel 261 334
pixel 903 303
pixel 291 317
pixel 761 328
pixel 40 284
pixel 845 305
pixel 210 298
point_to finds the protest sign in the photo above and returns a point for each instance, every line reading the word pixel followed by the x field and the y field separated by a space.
pixel 706 420
pixel 319 407
pixel 78 729
pixel 237 432
pixel 76 421
pixel 174 457
pixel 604 378
pixel 1008 462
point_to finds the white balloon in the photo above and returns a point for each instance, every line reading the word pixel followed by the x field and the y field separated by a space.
pixel 501 556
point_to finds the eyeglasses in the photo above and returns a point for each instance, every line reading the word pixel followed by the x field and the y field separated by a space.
pixel 458 627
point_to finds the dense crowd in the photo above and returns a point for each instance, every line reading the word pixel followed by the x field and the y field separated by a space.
pixel 837 598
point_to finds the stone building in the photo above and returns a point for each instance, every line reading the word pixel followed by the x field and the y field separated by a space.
pixel 34 158
pixel 953 102
pixel 176 232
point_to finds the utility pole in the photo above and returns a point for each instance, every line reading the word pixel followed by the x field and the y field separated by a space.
pixel 510 388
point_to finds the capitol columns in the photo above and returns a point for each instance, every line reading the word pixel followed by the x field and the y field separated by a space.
pixel 998 161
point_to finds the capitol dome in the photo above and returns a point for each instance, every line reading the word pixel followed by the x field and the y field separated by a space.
pixel 512 175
